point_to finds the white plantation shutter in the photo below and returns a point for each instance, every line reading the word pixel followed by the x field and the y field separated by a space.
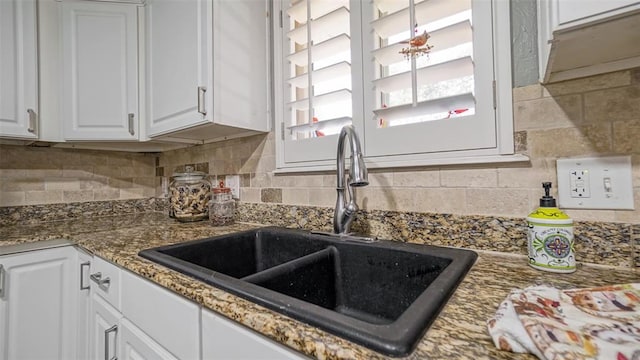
pixel 438 102
pixel 343 62
pixel 317 53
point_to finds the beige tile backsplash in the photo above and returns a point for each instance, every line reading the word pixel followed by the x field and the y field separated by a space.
pixel 40 175
pixel 594 116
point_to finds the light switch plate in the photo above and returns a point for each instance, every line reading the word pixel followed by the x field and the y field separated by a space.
pixel 595 183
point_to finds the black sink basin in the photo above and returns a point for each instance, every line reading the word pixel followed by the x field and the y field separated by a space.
pixel 381 294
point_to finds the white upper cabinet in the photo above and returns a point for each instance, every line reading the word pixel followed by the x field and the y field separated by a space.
pixel 579 38
pixel 575 12
pixel 207 70
pixel 18 69
pixel 100 71
pixel 177 74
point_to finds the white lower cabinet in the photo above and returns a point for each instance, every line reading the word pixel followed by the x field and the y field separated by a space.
pixel 61 303
pixel 136 345
pixel 84 306
pixel 224 339
pixel 103 334
pixel 38 302
pixel 169 319
pixel 112 335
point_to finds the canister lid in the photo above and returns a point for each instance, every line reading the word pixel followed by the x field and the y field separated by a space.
pixel 189 174
pixel 221 189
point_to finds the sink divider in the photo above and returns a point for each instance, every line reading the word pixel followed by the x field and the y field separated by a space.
pixel 329 252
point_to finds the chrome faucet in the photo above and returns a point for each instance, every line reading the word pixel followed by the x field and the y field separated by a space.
pixel 346 211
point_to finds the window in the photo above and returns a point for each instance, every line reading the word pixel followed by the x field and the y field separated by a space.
pixel 356 62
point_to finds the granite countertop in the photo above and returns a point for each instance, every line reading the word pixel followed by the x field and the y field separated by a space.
pixel 458 332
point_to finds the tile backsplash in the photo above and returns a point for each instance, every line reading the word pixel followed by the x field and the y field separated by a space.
pixel 594 116
pixel 42 175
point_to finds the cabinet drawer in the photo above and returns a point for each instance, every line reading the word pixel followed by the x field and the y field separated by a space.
pixel 167 318
pixel 105 281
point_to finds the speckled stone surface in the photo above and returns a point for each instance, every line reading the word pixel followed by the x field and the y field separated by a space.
pixel 596 242
pixel 613 244
pixel 30 214
pixel 459 331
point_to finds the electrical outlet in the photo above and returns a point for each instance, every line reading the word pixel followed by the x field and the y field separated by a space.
pixel 233 182
pixel 595 183
pixel 579 183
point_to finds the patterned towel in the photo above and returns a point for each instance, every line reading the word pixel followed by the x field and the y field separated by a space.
pixel 594 323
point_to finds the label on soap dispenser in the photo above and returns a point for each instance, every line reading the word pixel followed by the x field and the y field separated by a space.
pixel 550 243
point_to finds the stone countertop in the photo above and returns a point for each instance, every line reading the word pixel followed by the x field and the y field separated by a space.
pixel 458 332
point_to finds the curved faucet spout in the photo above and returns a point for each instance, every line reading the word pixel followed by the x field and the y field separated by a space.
pixel 345 210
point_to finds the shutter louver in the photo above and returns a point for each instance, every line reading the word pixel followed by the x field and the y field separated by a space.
pixel 427 87
pixel 319 68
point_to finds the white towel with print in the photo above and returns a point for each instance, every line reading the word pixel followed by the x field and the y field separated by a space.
pixel 594 323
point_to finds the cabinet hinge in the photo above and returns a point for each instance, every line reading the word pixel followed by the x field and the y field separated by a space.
pixel 280 19
pixel 282 131
pixel 495 101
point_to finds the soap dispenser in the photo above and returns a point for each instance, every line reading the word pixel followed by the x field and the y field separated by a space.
pixel 550 236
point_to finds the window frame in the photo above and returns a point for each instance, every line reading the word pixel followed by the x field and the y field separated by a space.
pixel 503 103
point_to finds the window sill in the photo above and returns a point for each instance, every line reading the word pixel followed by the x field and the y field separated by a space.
pixel 389 164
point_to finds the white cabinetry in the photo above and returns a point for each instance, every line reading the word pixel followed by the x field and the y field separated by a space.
pixel 576 12
pixel 136 345
pixel 579 38
pixel 18 69
pixel 100 71
pixel 224 339
pixel 111 334
pixel 206 68
pixel 84 306
pixel 38 303
pixel 172 320
pixel 61 303
pixel 104 320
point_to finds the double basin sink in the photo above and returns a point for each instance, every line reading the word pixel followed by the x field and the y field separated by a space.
pixel 380 294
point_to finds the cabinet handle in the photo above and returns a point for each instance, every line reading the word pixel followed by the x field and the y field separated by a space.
pixel 113 329
pixel 102 283
pixel 82 266
pixel 201 108
pixel 2 291
pixel 131 129
pixel 32 121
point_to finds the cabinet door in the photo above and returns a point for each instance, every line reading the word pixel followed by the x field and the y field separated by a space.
pixel 104 330
pixel 100 71
pixel 18 69
pixel 178 53
pixel 176 329
pixel 224 339
pixel 84 305
pixel 575 10
pixel 37 305
pixel 136 345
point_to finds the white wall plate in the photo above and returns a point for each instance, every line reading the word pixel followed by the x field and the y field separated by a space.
pixel 595 183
